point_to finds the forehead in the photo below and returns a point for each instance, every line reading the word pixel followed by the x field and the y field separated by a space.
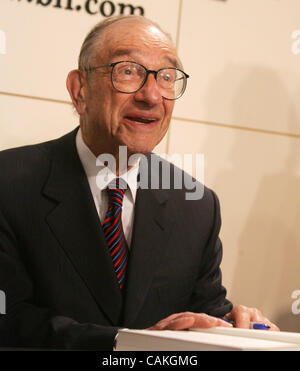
pixel 137 39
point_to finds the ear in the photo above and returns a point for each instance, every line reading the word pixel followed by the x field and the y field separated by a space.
pixel 76 86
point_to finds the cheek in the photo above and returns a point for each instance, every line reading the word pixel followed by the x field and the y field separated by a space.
pixel 168 106
pixel 107 111
pixel 118 104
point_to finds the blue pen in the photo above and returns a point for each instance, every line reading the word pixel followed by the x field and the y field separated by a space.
pixel 259 326
pixel 253 325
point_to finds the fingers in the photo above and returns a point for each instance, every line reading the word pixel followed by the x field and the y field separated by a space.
pixel 273 327
pixel 175 322
pixel 185 320
pixel 240 314
pixel 243 316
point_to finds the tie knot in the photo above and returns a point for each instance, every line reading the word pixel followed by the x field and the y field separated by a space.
pixel 116 190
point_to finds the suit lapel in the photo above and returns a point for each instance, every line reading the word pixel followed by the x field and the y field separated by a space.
pixel 75 223
pixel 152 227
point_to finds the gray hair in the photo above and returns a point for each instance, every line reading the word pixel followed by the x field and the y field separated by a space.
pixel 88 48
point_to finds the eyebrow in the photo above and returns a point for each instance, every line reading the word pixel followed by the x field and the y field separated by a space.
pixel 123 51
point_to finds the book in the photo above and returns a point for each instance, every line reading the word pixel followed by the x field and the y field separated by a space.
pixel 218 338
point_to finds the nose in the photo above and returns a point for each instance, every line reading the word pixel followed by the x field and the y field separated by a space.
pixel 150 92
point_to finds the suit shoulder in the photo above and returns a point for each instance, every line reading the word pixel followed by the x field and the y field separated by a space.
pixel 31 161
pixel 22 161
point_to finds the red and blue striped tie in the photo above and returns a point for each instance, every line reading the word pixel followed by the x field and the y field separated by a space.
pixel 113 229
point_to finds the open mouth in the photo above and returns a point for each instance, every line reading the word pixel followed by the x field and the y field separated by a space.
pixel 140 120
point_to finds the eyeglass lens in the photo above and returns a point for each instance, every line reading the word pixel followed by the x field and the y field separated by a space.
pixel 129 77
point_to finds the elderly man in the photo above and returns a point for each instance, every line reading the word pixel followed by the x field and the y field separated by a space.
pixel 84 251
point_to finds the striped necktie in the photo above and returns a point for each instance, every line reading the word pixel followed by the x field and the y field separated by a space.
pixel 113 229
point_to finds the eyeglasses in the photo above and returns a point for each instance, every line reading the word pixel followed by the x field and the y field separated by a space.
pixel 129 77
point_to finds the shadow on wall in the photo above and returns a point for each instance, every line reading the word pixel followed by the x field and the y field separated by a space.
pixel 262 186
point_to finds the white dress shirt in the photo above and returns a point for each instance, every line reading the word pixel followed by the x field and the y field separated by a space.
pixel 99 176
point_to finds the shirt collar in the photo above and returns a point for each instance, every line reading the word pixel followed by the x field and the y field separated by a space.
pixel 99 176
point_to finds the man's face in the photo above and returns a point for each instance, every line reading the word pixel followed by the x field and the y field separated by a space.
pixel 138 120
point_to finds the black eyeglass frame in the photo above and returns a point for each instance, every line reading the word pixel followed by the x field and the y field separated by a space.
pixel 146 76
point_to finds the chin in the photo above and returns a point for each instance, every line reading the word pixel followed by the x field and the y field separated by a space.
pixel 139 149
pixel 140 146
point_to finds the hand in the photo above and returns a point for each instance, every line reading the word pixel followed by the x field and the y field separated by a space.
pixel 242 316
pixel 186 320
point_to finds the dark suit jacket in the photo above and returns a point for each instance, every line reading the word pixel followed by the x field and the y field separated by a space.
pixel 61 290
